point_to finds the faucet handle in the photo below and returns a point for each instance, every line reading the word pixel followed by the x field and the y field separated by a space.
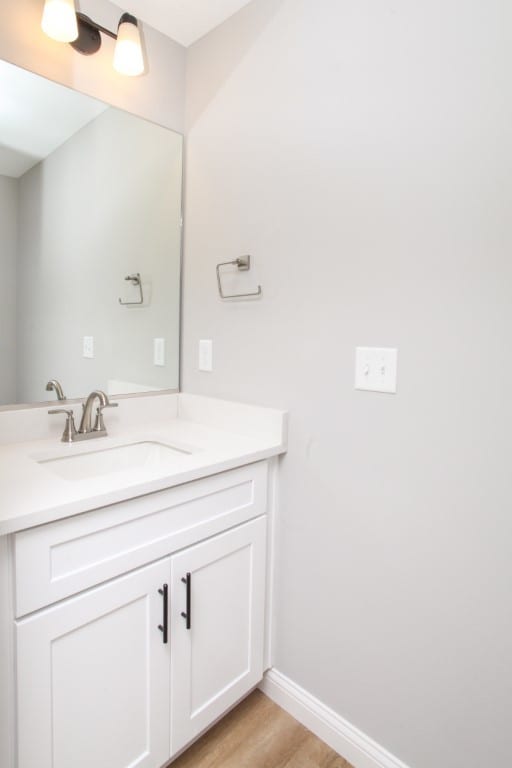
pixel 99 424
pixel 69 434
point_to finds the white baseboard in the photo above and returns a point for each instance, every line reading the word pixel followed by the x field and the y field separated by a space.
pixel 353 745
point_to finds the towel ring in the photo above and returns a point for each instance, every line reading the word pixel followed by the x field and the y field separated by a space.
pixel 244 265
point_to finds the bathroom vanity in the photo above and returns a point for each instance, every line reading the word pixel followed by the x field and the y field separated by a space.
pixel 135 579
pixel 135 565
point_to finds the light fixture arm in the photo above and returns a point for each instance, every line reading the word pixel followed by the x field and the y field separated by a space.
pixel 126 17
pixel 96 25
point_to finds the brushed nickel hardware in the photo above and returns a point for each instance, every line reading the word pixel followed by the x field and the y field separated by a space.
pixel 99 424
pixel 243 264
pixel 70 434
pixel 134 280
pixel 85 431
pixel 55 386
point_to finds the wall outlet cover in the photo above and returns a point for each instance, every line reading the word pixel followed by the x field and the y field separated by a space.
pixel 88 346
pixel 206 355
pixel 159 352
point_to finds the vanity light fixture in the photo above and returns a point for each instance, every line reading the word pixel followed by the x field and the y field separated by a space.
pixel 128 58
pixel 63 23
pixel 59 20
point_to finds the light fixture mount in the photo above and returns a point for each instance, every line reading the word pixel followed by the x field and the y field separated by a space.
pixel 89 38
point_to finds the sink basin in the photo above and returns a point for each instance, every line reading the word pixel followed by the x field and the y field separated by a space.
pixel 148 455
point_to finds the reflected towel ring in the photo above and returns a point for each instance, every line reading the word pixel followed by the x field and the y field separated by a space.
pixel 135 280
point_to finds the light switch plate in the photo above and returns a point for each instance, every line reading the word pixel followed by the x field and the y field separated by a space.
pixel 376 369
pixel 88 346
pixel 206 355
pixel 159 352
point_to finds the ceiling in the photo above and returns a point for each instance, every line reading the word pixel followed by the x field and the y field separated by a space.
pixel 37 116
pixel 183 20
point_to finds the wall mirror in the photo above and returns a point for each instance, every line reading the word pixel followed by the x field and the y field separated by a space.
pixel 90 250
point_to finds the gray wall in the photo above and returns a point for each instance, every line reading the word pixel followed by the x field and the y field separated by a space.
pixel 362 153
pixel 158 95
pixel 106 204
pixel 8 244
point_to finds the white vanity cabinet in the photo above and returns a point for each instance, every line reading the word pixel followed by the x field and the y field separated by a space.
pixel 96 684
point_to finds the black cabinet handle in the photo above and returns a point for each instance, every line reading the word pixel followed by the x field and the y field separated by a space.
pixel 188 614
pixel 164 628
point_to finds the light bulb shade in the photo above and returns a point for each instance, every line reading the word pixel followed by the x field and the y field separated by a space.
pixel 128 57
pixel 59 20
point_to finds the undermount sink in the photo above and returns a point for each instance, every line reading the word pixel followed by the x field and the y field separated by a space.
pixel 147 455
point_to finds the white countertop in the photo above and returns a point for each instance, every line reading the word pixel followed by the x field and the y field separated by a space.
pixel 219 435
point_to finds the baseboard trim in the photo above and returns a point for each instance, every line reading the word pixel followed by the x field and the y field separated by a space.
pixel 351 743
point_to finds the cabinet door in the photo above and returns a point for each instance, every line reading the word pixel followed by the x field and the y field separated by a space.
pixel 217 634
pixel 93 678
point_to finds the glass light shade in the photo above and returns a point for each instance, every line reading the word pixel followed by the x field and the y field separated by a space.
pixel 128 57
pixel 59 20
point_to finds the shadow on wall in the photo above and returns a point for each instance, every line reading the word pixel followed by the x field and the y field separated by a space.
pixel 230 43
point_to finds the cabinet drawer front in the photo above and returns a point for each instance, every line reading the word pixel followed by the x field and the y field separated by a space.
pixel 60 559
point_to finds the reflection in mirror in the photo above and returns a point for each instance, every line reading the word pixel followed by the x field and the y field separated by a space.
pixel 90 222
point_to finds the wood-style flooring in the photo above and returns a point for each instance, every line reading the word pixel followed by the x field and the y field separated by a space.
pixel 259 734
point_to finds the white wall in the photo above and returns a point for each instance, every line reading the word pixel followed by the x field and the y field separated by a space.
pixel 104 205
pixel 8 244
pixel 362 153
pixel 158 95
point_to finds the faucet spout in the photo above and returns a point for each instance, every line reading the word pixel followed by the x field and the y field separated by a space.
pixel 86 422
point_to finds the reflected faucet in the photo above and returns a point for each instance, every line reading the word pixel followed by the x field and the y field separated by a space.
pixel 54 385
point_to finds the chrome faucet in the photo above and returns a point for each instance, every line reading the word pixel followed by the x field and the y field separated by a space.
pixel 56 387
pixel 86 431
